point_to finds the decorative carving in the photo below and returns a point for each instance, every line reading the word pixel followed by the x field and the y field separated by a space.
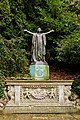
pixel 35 93
pixel 11 94
pixel 39 93
pixel 4 99
pixel 67 93
pixel 52 93
pixel 26 93
pixel 2 103
pixel 43 94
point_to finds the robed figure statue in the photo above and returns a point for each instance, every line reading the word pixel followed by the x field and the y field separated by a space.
pixel 38 45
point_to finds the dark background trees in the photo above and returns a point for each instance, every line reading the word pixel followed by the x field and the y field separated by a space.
pixel 63 46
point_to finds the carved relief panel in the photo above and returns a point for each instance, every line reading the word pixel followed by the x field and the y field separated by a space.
pixel 39 95
pixel 67 93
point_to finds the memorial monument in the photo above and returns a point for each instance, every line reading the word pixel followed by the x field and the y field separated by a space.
pixel 39 68
pixel 41 96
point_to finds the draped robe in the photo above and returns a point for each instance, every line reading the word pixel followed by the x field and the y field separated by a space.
pixel 38 47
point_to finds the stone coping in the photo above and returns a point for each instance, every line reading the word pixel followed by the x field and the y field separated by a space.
pixel 38 82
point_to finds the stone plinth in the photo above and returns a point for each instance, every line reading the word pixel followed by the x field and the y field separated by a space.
pixel 39 72
pixel 39 96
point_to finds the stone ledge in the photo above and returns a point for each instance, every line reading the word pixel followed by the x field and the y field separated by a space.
pixel 39 110
pixel 34 82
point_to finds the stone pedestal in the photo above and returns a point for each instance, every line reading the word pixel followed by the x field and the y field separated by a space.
pixel 39 96
pixel 39 72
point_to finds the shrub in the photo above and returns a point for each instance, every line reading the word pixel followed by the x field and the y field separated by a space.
pixel 68 49
pixel 14 58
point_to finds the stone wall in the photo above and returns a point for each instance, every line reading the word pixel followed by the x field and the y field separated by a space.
pixel 39 96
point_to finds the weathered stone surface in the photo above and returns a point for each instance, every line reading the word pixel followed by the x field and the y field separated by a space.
pixel 39 97
pixel 40 118
pixel 39 72
pixel 61 118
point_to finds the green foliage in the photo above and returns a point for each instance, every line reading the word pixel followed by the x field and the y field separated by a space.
pixel 56 15
pixel 75 88
pixel 68 49
pixel 61 15
pixel 19 14
pixel 1 84
pixel 13 57
pixel 12 18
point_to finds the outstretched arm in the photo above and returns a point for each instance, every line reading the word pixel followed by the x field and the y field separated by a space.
pixel 28 31
pixel 49 32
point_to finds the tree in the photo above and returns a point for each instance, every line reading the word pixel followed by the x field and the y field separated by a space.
pixel 14 59
pixel 61 15
pixel 68 50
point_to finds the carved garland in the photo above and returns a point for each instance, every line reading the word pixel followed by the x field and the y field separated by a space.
pixel 39 93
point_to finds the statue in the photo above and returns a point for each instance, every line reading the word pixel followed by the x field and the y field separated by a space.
pixel 38 45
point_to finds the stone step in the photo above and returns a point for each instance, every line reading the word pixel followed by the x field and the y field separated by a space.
pixel 40 116
pixel 52 118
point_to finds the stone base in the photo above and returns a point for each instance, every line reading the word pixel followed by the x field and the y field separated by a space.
pixel 39 96
pixel 39 109
pixel 39 72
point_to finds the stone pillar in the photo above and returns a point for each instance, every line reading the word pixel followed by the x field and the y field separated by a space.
pixel 17 95
pixel 61 94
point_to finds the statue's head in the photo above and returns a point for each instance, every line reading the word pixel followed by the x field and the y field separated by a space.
pixel 39 30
